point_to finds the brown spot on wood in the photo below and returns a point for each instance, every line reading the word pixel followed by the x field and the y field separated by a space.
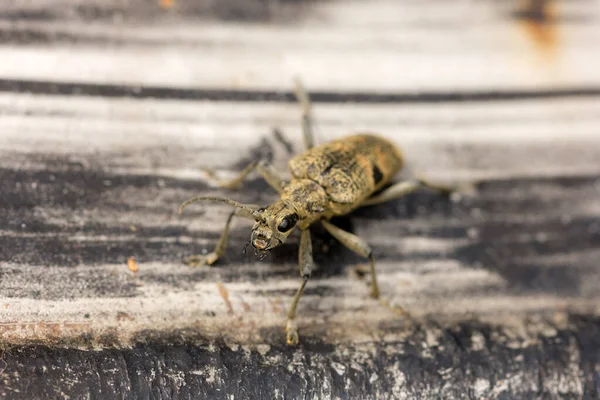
pixel 132 265
pixel 538 19
pixel 225 295
pixel 166 4
pixel 245 306
pixel 121 315
pixel 275 303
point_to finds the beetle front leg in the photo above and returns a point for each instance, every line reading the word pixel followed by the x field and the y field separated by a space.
pixel 199 260
pixel 305 259
pixel 264 168
pixel 358 246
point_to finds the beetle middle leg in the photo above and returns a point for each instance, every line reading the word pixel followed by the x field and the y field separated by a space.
pixel 264 168
pixel 304 100
pixel 357 245
pixel 403 188
pixel 361 248
pixel 305 259
pixel 199 260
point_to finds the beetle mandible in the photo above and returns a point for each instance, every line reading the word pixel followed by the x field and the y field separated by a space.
pixel 326 181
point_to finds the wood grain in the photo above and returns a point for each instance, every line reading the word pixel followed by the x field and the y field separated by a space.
pixel 98 149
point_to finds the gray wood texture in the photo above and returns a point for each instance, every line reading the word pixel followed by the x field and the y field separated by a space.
pixel 109 111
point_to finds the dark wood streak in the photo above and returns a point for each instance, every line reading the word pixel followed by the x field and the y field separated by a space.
pixel 260 96
pixel 140 11
pixel 196 369
pixel 497 245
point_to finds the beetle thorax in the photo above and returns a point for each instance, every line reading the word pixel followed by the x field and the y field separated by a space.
pixel 308 198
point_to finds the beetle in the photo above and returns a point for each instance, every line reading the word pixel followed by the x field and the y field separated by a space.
pixel 329 180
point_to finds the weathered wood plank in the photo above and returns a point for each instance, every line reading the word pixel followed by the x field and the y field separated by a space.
pixel 470 360
pixel 94 201
pixel 390 47
pixel 502 284
pixel 174 138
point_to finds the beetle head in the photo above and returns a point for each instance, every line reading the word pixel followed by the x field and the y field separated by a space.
pixel 273 223
pixel 272 229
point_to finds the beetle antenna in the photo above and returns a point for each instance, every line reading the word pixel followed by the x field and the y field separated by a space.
pixel 247 208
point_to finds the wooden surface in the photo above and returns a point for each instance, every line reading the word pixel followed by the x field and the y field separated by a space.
pixel 108 111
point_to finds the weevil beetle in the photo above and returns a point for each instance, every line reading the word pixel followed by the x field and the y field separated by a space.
pixel 326 181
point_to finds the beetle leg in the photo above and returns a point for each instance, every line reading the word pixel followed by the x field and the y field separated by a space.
pixel 440 188
pixel 403 188
pixel 358 246
pixel 199 260
pixel 304 100
pixel 305 259
pixel 264 168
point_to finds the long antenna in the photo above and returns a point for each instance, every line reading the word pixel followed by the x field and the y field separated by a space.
pixel 251 211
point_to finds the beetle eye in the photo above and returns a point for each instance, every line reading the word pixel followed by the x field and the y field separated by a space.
pixel 288 223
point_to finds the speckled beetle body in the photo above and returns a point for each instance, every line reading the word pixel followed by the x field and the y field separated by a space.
pixel 327 180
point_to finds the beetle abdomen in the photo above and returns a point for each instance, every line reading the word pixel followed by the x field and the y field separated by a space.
pixel 349 169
